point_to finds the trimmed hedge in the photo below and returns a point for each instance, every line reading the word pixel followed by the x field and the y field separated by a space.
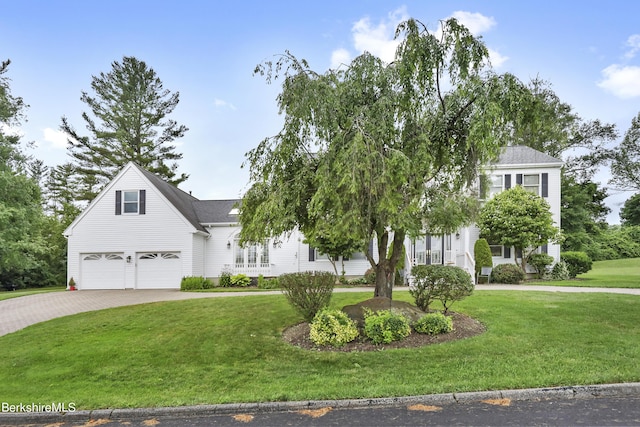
pixel 507 273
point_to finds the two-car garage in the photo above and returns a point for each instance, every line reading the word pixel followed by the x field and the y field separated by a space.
pixel 113 270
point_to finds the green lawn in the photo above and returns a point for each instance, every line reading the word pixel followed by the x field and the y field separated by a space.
pixel 208 351
pixel 617 273
pixel 22 292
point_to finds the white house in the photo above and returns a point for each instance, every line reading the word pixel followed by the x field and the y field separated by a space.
pixel 142 233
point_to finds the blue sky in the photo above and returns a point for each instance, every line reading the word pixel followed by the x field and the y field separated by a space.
pixel 207 50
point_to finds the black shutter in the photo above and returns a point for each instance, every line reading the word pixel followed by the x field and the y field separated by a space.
pixel 545 249
pixel 507 251
pixel 143 202
pixel 507 181
pixel 312 253
pixel 518 179
pixel 371 248
pixel 545 185
pixel 428 249
pixel 483 189
pixel 118 202
pixel 518 253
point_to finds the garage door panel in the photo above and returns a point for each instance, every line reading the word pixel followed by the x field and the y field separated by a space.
pixel 102 271
pixel 159 270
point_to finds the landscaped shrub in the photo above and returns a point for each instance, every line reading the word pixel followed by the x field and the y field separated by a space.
pixel 560 271
pixel 482 255
pixel 439 282
pixel 577 262
pixel 308 292
pixel 384 326
pixel 241 280
pixel 333 327
pixel 540 263
pixel 370 276
pixel 267 283
pixel 507 273
pixel 225 279
pixel 191 283
pixel 433 324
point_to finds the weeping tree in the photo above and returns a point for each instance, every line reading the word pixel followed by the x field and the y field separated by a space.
pixel 379 151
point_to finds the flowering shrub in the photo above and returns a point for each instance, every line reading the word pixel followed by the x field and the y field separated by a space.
pixel 433 324
pixel 385 326
pixel 332 327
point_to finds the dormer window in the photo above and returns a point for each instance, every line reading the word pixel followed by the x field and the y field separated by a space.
pixel 130 202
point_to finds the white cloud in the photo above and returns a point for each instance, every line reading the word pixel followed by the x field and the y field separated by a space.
pixel 219 103
pixel 622 81
pixel 496 58
pixel 10 130
pixel 477 23
pixel 57 138
pixel 339 57
pixel 378 39
pixel 634 43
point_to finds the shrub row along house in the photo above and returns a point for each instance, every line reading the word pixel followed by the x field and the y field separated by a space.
pixel 142 233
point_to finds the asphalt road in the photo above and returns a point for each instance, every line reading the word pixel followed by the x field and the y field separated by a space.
pixel 595 411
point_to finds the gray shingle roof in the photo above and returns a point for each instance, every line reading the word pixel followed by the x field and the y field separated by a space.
pixel 196 211
pixel 216 211
pixel 523 155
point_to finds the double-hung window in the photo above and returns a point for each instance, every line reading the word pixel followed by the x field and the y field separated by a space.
pixel 130 202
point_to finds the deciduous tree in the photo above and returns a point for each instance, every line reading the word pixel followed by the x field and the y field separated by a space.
pixel 630 212
pixel 518 218
pixel 369 151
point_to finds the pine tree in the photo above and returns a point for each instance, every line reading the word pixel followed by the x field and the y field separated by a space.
pixel 128 122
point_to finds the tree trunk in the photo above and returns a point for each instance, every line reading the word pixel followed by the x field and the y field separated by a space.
pixel 386 267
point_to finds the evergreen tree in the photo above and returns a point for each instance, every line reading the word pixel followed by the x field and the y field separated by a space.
pixel 128 122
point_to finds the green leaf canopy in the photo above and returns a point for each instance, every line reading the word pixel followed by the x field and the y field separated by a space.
pixel 380 151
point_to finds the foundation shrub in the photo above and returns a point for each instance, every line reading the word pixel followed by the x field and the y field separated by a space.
pixel 507 273
pixel 191 283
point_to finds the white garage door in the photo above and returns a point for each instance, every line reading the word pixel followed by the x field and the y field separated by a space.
pixel 101 271
pixel 159 270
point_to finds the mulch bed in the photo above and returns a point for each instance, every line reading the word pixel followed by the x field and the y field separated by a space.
pixel 463 327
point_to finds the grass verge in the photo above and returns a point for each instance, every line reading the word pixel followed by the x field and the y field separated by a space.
pixel 23 292
pixel 208 351
pixel 617 273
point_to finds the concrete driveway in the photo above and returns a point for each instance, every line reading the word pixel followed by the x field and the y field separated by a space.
pixel 18 313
